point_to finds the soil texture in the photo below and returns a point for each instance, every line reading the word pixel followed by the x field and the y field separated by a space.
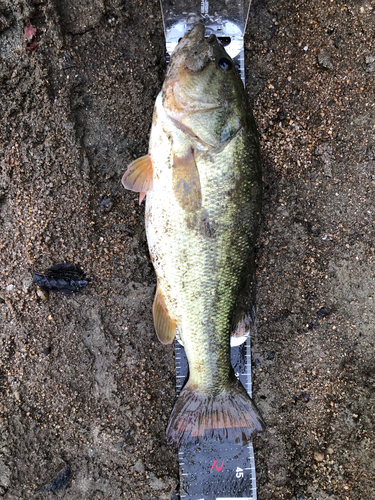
pixel 86 389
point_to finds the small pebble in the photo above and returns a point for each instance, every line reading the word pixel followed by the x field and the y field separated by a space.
pixel 42 294
pixel 106 203
pixel 370 64
pixel 319 456
pixel 324 60
pixel 138 466
pixel 305 398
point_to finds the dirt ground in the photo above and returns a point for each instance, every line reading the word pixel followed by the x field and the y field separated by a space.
pixel 84 384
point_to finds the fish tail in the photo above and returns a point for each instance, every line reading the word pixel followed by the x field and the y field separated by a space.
pixel 231 414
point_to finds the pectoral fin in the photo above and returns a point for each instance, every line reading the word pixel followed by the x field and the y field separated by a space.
pixel 186 183
pixel 142 194
pixel 139 176
pixel 165 326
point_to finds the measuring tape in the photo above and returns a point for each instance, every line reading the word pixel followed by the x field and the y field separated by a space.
pixel 213 470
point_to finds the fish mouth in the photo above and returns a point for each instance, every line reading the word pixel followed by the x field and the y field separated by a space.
pixel 194 52
pixel 194 35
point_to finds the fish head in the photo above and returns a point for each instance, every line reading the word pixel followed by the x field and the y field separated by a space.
pixel 203 92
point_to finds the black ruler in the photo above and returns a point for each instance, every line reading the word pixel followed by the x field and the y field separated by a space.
pixel 214 470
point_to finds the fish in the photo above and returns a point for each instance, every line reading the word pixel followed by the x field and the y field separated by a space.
pixel 202 183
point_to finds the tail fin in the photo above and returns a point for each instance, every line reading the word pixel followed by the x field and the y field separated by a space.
pixel 230 414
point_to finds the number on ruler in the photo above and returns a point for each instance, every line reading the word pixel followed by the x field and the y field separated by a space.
pixel 239 473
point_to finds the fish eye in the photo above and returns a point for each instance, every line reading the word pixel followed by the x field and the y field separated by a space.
pixel 225 64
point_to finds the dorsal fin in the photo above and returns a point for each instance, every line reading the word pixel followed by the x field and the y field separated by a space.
pixel 139 175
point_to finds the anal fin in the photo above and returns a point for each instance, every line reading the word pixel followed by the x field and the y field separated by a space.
pixel 165 326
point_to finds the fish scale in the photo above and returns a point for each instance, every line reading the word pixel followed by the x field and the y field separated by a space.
pixel 179 242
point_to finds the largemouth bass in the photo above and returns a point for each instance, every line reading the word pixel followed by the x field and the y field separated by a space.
pixel 203 183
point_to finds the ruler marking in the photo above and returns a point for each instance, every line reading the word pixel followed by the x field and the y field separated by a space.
pixel 195 472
